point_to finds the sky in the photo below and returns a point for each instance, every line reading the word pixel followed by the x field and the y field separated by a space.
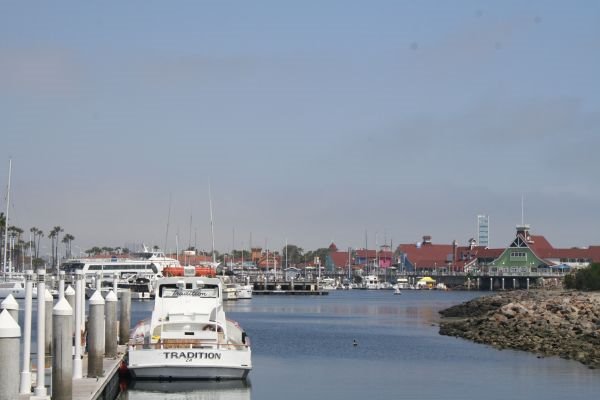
pixel 306 122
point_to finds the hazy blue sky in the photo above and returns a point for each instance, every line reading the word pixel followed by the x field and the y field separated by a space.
pixel 313 120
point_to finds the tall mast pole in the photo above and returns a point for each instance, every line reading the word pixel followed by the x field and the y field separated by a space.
pixel 6 215
pixel 212 228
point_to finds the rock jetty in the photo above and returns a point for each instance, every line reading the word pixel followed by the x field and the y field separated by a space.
pixel 548 323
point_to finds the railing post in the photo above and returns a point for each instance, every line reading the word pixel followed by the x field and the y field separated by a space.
pixel 95 339
pixel 125 318
pixel 79 306
pixel 40 389
pixel 62 362
pixel 10 334
pixel 25 387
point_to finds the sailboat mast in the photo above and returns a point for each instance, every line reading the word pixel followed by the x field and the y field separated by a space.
pixel 6 215
pixel 212 228
pixel 168 221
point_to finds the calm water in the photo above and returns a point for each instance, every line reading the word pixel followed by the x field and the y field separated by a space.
pixel 302 349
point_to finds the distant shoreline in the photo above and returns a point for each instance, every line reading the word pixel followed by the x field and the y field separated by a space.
pixel 547 323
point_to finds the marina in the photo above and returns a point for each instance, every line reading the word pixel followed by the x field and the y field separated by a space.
pixel 343 333
pixel 340 200
pixel 311 354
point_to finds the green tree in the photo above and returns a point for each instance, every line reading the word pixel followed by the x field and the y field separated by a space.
pixel 322 253
pixel 584 279
pixel 294 254
pixel 93 251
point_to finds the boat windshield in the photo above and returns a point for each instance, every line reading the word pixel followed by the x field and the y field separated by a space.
pixel 172 291
pixel 70 268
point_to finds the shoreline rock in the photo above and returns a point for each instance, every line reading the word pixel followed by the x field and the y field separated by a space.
pixel 548 323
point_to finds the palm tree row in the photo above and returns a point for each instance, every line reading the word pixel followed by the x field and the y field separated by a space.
pixel 17 247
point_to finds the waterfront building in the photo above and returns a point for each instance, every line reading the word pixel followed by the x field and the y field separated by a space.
pixel 425 256
pixel 525 254
pixel 359 259
pixel 533 253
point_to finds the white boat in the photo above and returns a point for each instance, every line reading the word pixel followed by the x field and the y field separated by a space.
pixel 132 272
pixel 371 282
pixel 230 291
pixel 139 287
pixel 243 291
pixel 328 284
pixel 188 336
pixel 397 291
pixel 402 283
pixel 16 288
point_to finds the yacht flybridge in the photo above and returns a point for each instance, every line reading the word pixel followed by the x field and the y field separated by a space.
pixel 188 336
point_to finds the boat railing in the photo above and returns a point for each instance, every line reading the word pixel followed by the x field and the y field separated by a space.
pixel 188 344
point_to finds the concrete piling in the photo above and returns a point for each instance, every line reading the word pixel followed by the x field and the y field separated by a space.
pixel 40 388
pixel 48 304
pixel 25 385
pixel 110 332
pixel 62 362
pixel 95 340
pixel 491 284
pixel 10 336
pixel 70 297
pixel 125 319
pixel 61 284
pixel 10 304
pixel 79 306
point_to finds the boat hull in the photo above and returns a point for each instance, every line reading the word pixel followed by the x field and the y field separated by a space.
pixel 186 363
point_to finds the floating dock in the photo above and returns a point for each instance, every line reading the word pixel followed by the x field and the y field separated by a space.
pixel 105 387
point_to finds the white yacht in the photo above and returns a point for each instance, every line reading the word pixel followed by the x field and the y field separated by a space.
pixel 188 336
pixel 137 272
pixel 402 283
pixel 371 282
pixel 16 288
pixel 230 291
pixel 328 284
pixel 243 291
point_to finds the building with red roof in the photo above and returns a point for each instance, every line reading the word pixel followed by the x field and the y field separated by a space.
pixel 526 253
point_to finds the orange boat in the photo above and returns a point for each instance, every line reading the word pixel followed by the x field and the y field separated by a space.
pixel 187 271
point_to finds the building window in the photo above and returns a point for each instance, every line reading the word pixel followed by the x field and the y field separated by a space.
pixel 518 256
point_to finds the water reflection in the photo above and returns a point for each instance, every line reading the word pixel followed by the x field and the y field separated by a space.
pixel 188 390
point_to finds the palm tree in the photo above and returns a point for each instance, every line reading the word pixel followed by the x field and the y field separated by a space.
pixel 67 239
pixel 2 225
pixel 37 235
pixel 55 235
pixel 16 253
pixel 52 235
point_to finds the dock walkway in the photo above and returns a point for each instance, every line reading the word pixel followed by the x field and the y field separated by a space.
pixel 94 388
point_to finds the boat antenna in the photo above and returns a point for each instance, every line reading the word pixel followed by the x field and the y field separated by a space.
pixel 6 215
pixel 212 228
pixel 190 238
pixel 522 209
pixel 168 221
